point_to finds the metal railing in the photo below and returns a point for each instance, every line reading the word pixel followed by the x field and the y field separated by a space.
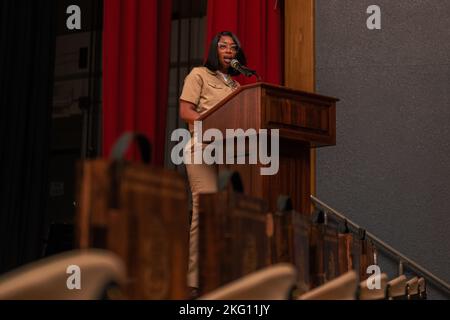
pixel 379 244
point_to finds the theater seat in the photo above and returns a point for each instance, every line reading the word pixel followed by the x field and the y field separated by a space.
pixel 48 279
pixel 422 288
pixel 271 283
pixel 412 288
pixel 341 288
pixel 396 288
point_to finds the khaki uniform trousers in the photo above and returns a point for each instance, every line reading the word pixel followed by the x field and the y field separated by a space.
pixel 202 179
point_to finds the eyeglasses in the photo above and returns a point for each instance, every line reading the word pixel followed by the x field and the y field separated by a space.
pixel 223 46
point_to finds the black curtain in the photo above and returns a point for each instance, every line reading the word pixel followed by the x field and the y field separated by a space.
pixel 27 42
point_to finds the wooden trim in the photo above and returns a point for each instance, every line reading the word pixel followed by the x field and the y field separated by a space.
pixel 299 17
pixel 264 85
pixel 299 45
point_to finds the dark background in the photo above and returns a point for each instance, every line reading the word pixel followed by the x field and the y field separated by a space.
pixel 27 37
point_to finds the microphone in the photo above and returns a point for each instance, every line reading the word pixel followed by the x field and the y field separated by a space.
pixel 235 64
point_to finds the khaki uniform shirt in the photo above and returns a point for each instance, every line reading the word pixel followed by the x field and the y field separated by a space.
pixel 204 88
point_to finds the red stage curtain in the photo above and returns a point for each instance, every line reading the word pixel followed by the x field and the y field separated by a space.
pixel 258 25
pixel 136 50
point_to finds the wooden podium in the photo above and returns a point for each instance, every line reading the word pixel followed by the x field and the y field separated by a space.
pixel 305 120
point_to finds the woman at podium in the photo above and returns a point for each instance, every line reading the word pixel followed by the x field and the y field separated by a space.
pixel 203 88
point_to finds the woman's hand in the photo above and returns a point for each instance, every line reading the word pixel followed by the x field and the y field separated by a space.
pixel 187 112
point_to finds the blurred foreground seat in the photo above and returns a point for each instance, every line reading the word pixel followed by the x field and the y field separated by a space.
pixel 54 278
pixel 396 288
pixel 341 288
pixel 271 283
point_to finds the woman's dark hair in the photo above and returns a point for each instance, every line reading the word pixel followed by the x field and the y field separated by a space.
pixel 212 62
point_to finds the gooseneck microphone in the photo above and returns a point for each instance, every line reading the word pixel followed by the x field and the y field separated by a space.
pixel 235 64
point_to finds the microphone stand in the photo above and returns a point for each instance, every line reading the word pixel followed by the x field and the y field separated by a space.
pixel 249 73
pixel 258 77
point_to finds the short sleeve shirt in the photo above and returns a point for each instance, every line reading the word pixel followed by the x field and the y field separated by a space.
pixel 204 88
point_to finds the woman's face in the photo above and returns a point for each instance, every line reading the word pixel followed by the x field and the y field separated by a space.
pixel 226 51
